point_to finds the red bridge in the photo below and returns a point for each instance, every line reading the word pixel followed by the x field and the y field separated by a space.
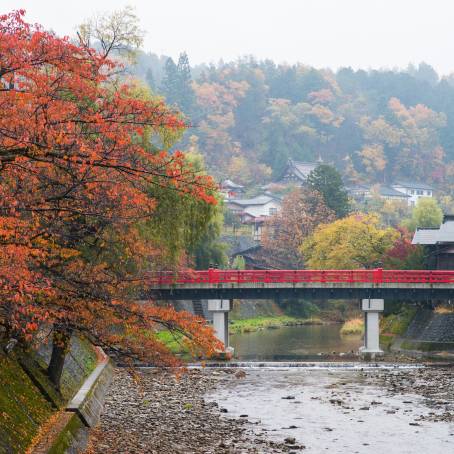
pixel 372 286
pixel 377 283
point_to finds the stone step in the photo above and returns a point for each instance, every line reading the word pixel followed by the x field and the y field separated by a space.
pixel 198 308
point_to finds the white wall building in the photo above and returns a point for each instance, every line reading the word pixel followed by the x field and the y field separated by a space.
pixel 414 190
pixel 262 205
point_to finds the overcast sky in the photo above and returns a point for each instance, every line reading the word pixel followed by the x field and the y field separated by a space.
pixel 322 33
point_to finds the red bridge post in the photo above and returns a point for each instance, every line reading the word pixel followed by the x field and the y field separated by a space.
pixel 378 276
pixel 210 275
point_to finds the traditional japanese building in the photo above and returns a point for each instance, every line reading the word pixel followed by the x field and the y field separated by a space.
pixel 230 190
pixel 297 172
pixel 439 244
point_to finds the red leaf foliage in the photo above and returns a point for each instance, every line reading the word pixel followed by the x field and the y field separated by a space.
pixel 74 186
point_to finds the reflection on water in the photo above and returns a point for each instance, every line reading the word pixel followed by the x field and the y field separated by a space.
pixel 292 343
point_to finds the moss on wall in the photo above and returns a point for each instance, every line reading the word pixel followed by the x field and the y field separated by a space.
pixel 23 408
pixel 68 435
pixel 27 397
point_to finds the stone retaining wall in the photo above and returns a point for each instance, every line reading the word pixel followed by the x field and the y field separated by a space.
pixel 428 326
pixel 430 331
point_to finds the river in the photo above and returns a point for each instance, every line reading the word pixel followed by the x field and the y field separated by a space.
pixel 345 410
pixel 282 404
pixel 293 343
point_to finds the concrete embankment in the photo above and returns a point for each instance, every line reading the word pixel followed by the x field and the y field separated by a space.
pixel 34 416
pixel 430 331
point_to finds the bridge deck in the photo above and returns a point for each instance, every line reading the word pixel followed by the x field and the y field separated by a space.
pixel 419 285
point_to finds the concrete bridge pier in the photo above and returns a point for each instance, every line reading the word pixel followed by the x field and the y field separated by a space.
pixel 372 309
pixel 220 310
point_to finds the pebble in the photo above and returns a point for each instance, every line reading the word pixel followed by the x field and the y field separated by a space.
pixel 159 413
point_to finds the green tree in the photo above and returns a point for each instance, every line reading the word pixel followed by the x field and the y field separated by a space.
pixel 209 250
pixel 170 82
pixel 239 263
pixel 327 181
pixel 150 79
pixel 426 214
pixel 185 94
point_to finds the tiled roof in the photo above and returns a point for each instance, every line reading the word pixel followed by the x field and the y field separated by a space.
pixel 413 185
pixel 259 200
pixel 445 234
pixel 425 236
pixel 302 169
pixel 231 184
pixel 384 191
pixel 390 192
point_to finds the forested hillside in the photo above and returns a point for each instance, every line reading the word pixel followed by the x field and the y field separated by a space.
pixel 248 117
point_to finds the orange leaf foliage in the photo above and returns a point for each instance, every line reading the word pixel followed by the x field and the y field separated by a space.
pixel 74 186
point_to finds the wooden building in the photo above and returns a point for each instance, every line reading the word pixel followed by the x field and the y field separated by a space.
pixel 439 244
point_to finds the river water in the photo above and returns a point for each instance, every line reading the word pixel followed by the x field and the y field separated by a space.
pixel 337 410
pixel 293 343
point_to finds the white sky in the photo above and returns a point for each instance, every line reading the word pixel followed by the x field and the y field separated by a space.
pixel 322 33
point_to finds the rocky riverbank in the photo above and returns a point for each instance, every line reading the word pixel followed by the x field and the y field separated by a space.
pixel 159 413
pixel 284 410
pixel 434 384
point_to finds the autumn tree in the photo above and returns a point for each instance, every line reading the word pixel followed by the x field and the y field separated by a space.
pixel 77 176
pixel 403 255
pixel 426 214
pixel 327 181
pixel 216 102
pixel 356 241
pixel 117 33
pixel 302 211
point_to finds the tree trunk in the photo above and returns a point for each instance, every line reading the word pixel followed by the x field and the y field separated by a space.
pixel 60 346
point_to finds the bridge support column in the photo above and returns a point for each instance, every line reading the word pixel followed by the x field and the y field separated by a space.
pixel 372 309
pixel 220 310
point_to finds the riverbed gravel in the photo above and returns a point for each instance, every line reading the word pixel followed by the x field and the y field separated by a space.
pixel 434 383
pixel 156 412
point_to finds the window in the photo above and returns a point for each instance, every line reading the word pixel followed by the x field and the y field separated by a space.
pixel 419 192
pixel 429 193
pixel 272 211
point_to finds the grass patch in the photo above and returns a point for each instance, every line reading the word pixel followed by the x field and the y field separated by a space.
pixel 173 341
pixel 427 347
pixel 257 323
pixel 354 326
pixel 444 309
pixel 397 324
pixel 386 340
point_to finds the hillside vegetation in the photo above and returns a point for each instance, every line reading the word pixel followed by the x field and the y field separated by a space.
pixel 248 117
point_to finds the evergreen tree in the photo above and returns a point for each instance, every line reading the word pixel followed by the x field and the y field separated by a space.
pixel 150 79
pixel 328 182
pixel 170 82
pixel 185 94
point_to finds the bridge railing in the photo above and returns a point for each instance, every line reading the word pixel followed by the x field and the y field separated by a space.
pixel 375 276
